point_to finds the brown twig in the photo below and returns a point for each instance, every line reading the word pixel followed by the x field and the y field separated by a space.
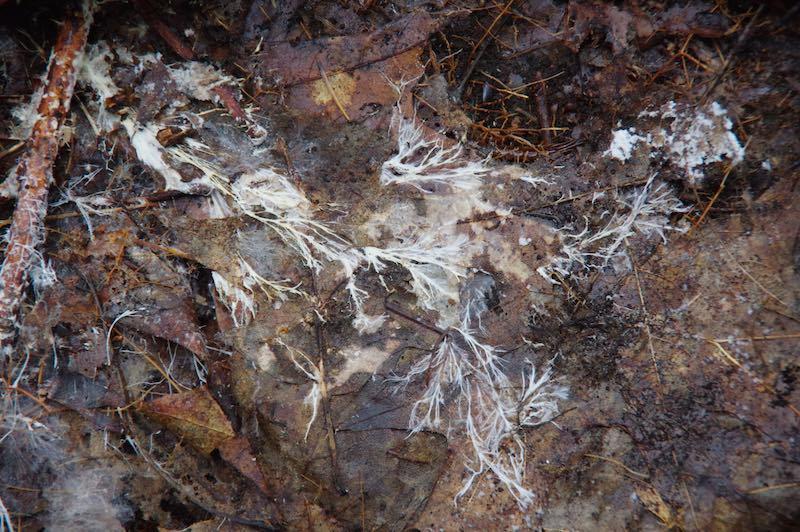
pixel 330 433
pixel 403 314
pixel 541 108
pixel 730 57
pixel 35 172
pixel 174 42
pixel 480 48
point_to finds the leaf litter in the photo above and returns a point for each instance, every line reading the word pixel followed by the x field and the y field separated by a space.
pixel 372 266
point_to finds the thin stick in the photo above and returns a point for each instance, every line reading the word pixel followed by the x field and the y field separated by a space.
pixel 479 48
pixel 175 43
pixel 646 316
pixel 774 487
pixel 618 463
pixel 731 56
pixel 332 92
pixel 35 172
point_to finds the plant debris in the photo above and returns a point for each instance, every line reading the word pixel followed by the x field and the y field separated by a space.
pixel 398 265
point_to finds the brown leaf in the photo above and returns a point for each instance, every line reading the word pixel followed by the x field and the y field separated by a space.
pixel 237 452
pixel 161 295
pixel 291 65
pixel 359 91
pixel 193 415
pixel 655 504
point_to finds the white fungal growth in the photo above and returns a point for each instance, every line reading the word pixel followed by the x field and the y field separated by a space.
pixel 432 265
pixel 363 322
pixel 87 205
pixel 239 297
pixel 490 410
pixel 151 153
pixel 314 373
pixel 27 113
pixel 5 518
pixel 536 181
pixel 272 199
pixel 251 281
pixel 692 138
pixel 421 162
pixel 267 191
pixel 538 401
pixel 42 274
pixel 95 70
pixel 198 80
pixel 493 414
pixel 95 73
pixel 622 144
pixel 239 302
pixel 86 499
pixel 643 211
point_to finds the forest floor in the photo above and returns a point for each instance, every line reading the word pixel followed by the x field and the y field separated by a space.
pixel 342 265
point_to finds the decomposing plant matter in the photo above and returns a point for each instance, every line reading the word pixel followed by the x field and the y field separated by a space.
pixel 35 172
pixel 369 265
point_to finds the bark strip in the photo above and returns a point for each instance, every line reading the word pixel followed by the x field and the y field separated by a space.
pixel 35 173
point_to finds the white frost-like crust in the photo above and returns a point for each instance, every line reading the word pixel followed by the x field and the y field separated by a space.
pixel 693 139
pixel 622 144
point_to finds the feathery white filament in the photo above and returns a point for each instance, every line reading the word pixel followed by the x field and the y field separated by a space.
pixel 422 162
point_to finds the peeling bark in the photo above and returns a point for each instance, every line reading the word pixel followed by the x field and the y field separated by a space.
pixel 35 172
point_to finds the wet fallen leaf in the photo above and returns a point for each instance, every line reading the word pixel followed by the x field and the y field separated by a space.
pixel 655 504
pixel 348 76
pixel 237 452
pixel 160 298
pixel 290 65
pixel 193 415
pixel 360 92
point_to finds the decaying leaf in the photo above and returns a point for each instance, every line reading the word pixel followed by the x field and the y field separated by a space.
pixel 567 267
pixel 289 64
pixel 194 416
pixel 349 76
pixel 237 452
pixel 652 500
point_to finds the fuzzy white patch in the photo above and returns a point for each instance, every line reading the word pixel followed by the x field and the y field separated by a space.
pixel 198 80
pixel 95 70
pixel 265 358
pixel 622 144
pixel 360 359
pixel 695 138
pixel 95 73
pixel 26 114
